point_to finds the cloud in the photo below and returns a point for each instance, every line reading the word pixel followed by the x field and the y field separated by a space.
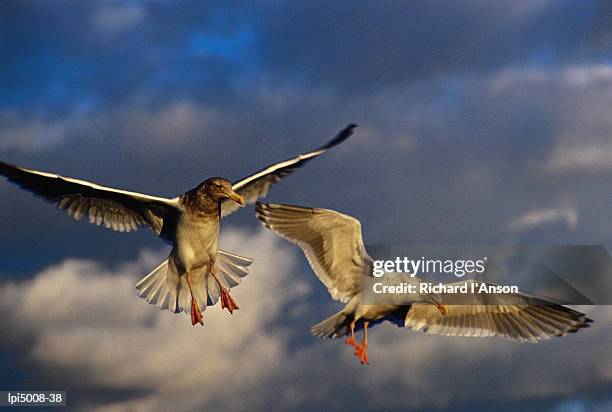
pixel 523 372
pixel 87 329
pixel 79 325
pixel 574 99
pixel 578 76
pixel 174 123
pixel 540 217
pixel 116 18
pixel 358 51
pixel 589 157
pixel 32 133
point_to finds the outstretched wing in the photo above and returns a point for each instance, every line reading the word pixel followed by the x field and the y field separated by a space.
pixel 330 240
pixel 515 316
pixel 118 210
pixel 257 185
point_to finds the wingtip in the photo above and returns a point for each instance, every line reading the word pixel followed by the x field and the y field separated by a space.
pixel 341 136
pixel 4 166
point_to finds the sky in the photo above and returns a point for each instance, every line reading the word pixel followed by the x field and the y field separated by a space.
pixel 479 123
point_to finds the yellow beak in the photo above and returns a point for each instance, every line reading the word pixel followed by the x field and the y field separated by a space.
pixel 236 198
pixel 443 309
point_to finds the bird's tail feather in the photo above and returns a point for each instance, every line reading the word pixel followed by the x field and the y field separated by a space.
pixel 157 288
pixel 166 289
pixel 232 268
pixel 332 327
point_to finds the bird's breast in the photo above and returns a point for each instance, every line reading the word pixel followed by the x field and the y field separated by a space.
pixel 196 241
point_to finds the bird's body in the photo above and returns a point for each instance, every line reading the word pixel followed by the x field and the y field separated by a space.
pixel 195 245
pixel 334 248
pixel 196 273
pixel 197 232
pixel 371 313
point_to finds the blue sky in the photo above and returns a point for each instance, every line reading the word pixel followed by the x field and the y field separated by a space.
pixel 480 122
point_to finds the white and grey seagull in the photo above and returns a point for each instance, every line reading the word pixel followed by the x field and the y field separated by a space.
pixel 334 248
pixel 196 273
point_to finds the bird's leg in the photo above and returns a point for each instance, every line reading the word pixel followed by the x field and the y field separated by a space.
pixel 196 315
pixel 226 300
pixel 362 350
pixel 351 340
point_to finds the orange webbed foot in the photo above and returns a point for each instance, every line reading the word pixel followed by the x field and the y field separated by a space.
pixel 351 341
pixel 227 302
pixel 362 353
pixel 196 314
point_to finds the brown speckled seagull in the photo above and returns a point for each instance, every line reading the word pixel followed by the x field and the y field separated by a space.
pixel 196 273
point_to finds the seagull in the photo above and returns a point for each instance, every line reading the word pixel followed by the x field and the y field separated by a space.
pixel 333 246
pixel 196 273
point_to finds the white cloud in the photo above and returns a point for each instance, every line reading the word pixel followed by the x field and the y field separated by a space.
pixel 509 78
pixel 579 76
pixel 579 97
pixel 34 132
pixel 440 371
pixel 590 157
pixel 81 325
pixel 87 325
pixel 175 123
pixel 571 76
pixel 540 217
pixel 172 124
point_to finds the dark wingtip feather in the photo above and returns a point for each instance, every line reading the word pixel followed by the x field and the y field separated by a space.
pixel 8 170
pixel 340 137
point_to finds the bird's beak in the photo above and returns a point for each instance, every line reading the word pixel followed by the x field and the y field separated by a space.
pixel 443 309
pixel 236 198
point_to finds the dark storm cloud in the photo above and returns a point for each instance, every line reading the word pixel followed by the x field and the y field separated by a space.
pixel 62 55
pixel 462 179
pixel 56 56
pixel 361 47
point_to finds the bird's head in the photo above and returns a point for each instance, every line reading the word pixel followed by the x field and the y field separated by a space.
pixel 219 188
pixel 436 300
